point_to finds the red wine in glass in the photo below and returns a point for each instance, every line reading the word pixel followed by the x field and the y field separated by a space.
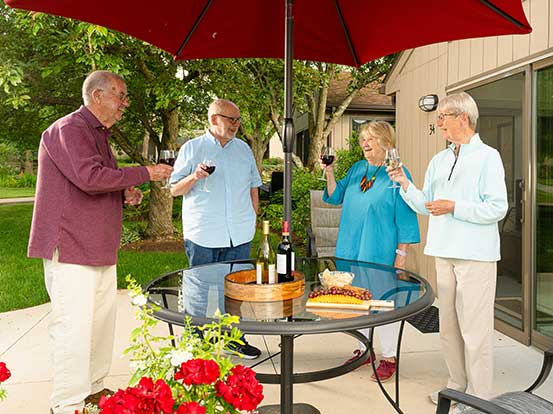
pixel 167 157
pixel 209 169
pixel 168 161
pixel 327 159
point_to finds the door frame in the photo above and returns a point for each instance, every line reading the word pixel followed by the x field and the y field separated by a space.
pixel 538 339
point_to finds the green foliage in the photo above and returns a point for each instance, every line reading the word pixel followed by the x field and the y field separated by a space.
pixel 347 157
pixel 18 181
pixel 132 232
pixel 8 152
pixel 304 180
pixel 155 357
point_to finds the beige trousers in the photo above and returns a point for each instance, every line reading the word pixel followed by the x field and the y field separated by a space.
pixel 81 330
pixel 466 290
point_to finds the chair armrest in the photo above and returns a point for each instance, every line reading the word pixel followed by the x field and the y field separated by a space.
pixel 311 249
pixel 545 370
pixel 447 395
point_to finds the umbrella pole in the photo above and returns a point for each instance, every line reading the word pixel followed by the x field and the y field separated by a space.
pixel 288 133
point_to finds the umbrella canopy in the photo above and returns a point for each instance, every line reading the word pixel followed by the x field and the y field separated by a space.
pixel 348 32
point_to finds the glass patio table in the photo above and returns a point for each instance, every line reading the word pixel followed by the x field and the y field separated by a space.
pixel 199 291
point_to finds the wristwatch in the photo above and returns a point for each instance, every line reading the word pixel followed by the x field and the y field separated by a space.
pixel 401 252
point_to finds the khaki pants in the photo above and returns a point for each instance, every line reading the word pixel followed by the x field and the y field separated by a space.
pixel 81 330
pixel 466 289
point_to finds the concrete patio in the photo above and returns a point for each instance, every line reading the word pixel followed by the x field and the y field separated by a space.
pixel 25 349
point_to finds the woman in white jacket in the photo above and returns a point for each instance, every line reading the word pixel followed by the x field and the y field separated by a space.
pixel 465 195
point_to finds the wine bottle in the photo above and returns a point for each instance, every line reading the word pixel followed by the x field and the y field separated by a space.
pixel 285 256
pixel 266 259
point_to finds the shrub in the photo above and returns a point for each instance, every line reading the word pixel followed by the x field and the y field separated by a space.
pixel 8 154
pixel 18 181
pixel 304 180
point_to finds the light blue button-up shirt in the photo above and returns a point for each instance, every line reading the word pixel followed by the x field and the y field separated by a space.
pixel 225 214
pixel 476 182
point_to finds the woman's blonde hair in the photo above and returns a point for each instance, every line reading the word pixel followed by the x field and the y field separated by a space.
pixel 382 131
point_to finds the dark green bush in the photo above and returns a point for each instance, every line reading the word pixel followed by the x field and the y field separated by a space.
pixel 18 181
pixel 304 180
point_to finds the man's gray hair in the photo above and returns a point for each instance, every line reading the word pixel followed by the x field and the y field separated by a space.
pixel 99 79
pixel 218 106
pixel 460 103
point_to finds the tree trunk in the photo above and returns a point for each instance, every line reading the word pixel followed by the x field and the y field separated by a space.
pixel 258 148
pixel 28 165
pixel 160 223
pixel 160 217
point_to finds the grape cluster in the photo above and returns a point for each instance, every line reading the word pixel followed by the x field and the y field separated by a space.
pixel 362 294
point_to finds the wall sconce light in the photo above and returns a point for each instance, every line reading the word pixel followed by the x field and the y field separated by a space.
pixel 428 103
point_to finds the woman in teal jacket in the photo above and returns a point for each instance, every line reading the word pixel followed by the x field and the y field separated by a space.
pixel 376 225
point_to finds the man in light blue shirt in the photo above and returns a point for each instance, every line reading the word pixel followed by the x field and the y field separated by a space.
pixel 465 195
pixel 219 212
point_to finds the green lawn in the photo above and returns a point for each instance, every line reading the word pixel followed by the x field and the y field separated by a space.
pixel 22 280
pixel 16 192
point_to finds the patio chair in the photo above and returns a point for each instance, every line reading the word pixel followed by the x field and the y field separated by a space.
pixel 518 402
pixel 323 233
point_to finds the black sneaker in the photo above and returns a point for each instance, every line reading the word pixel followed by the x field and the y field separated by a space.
pixel 245 351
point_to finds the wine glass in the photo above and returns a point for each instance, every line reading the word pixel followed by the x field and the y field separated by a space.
pixel 209 167
pixel 327 157
pixel 167 157
pixel 392 161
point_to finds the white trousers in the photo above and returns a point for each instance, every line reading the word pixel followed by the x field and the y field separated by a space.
pixel 388 335
pixel 81 330
pixel 466 289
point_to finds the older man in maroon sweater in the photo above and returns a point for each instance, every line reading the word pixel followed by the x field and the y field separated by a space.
pixel 76 229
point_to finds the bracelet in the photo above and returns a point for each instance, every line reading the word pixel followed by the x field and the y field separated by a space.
pixel 401 252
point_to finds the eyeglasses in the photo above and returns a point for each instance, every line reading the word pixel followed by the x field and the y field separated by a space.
pixel 232 119
pixel 441 117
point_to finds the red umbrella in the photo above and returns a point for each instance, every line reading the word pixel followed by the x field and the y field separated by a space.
pixel 349 32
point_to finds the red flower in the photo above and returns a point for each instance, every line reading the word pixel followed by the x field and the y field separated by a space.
pixel 191 408
pixel 198 371
pixel 241 390
pixel 4 372
pixel 122 402
pixel 146 398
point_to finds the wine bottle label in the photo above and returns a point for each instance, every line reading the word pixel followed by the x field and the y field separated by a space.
pixel 272 274
pixel 259 273
pixel 281 263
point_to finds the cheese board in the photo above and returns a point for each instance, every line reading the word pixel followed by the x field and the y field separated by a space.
pixel 363 306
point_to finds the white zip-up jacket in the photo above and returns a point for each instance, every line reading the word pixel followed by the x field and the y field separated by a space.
pixel 475 180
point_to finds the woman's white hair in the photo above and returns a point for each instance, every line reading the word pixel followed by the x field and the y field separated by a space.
pixel 460 103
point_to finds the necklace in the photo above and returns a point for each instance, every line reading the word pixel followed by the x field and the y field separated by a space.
pixel 367 184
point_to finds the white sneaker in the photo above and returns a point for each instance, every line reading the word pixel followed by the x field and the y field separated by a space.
pixel 434 398
pixel 459 409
